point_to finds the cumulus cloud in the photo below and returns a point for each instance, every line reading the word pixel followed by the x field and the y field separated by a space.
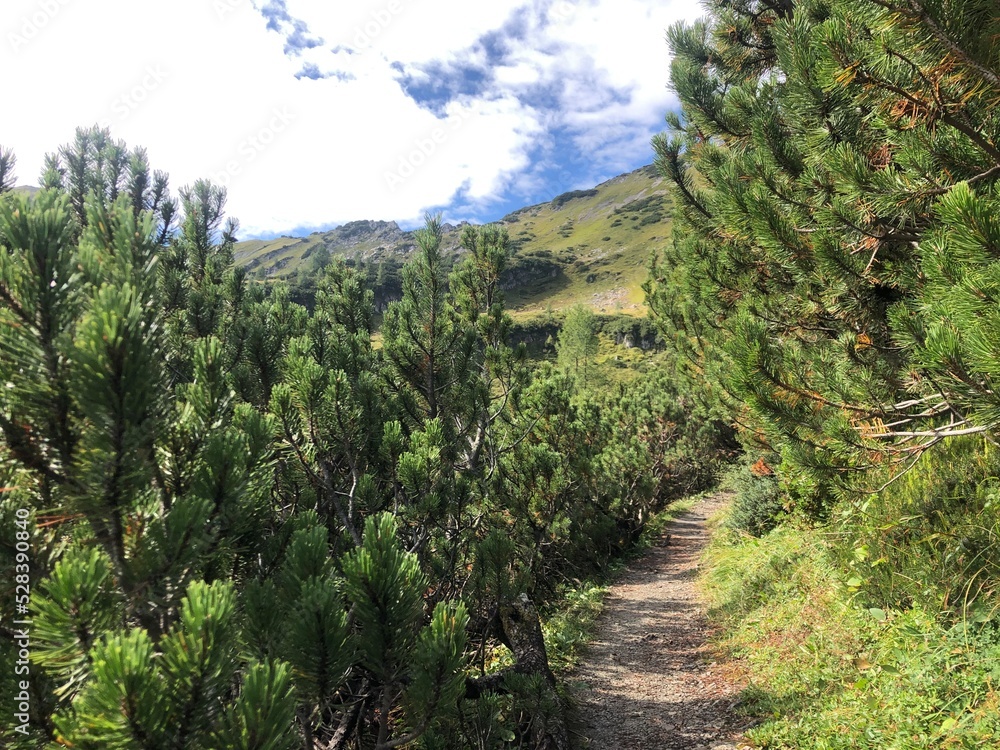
pixel 314 113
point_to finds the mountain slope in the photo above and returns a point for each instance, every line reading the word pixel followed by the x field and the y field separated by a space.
pixel 585 246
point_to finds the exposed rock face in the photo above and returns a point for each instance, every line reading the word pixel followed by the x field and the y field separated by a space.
pixel 631 332
pixel 528 270
pixel 630 340
pixel 537 336
pixel 384 236
pixel 350 233
pixel 374 240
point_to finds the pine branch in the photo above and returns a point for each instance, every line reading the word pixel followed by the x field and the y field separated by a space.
pixel 944 115
pixel 991 172
pixel 24 449
pixel 943 432
pixel 916 11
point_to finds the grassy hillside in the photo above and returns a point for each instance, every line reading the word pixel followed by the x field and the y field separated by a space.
pixel 585 246
pixel 877 630
pixel 596 244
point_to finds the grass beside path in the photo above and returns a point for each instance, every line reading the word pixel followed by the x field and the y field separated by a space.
pixel 827 670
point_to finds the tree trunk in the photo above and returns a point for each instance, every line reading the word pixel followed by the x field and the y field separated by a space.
pixel 521 631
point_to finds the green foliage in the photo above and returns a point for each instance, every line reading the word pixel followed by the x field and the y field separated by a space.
pixel 570 629
pixel 77 599
pixel 97 168
pixel 831 285
pixel 578 343
pixel 606 461
pixel 8 160
pixel 386 586
pixel 930 539
pixel 250 527
pixel 758 504
pixel 172 693
pixel 428 360
pixel 261 714
pixel 571 195
pixel 831 668
pixel 589 264
pixel 830 272
pixel 437 681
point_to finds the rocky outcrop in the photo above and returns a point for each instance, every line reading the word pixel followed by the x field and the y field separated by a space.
pixel 529 270
pixel 366 232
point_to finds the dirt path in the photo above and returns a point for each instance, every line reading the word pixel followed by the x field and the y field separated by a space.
pixel 648 680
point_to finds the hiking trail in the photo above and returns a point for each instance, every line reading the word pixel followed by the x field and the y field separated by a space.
pixel 649 678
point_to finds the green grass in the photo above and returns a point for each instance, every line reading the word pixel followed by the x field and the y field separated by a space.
pixel 571 625
pixel 279 258
pixel 603 265
pixel 826 669
pixel 932 538
pixel 615 363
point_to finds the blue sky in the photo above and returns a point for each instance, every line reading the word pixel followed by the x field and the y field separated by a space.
pixel 313 113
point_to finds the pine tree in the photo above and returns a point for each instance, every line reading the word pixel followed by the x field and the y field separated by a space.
pixel 423 341
pixel 7 163
pixel 577 344
pixel 97 166
pixel 499 375
pixel 331 405
pixel 819 147
pixel 249 527
pixel 178 602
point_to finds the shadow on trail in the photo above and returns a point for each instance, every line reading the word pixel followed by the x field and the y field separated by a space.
pixel 648 679
pixel 649 725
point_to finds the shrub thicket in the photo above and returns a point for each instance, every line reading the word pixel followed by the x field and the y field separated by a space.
pixel 758 503
pixel 247 526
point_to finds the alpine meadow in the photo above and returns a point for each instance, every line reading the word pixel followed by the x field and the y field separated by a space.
pixel 363 488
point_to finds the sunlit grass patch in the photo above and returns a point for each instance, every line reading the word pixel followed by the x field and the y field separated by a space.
pixel 828 670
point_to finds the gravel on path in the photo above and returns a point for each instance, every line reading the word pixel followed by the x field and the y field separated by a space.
pixel 649 678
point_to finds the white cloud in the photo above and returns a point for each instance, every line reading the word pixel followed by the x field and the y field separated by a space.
pixel 209 90
pixel 406 30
